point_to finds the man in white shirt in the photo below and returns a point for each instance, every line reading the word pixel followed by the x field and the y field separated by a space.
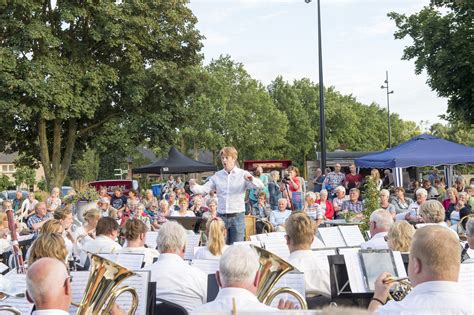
pixel 300 232
pixel 380 222
pixel 238 277
pixel 177 281
pixel 231 184
pixel 107 232
pixel 433 269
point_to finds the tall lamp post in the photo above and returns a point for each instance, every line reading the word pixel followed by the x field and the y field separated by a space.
pixel 388 108
pixel 322 130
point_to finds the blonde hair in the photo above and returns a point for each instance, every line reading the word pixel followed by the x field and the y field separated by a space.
pixel 91 215
pixel 400 236
pixel 133 228
pixel 48 245
pixel 432 211
pixel 300 228
pixel 375 174
pixel 229 151
pixel 216 236
pixel 453 190
pixel 51 226
pixel 62 213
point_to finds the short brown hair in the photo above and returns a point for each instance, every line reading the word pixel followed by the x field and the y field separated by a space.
pixel 62 213
pixel 183 200
pixel 106 226
pixel 229 151
pixel 133 229
pixel 400 189
pixel 48 245
pixel 300 228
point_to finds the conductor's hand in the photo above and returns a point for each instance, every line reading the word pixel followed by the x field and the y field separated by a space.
pixel 286 305
pixel 248 177
pixel 382 289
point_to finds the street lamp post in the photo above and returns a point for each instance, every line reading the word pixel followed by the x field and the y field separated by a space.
pixel 388 108
pixel 322 130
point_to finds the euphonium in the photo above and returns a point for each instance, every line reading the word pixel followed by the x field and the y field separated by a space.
pixel 101 289
pixel 400 290
pixel 10 309
pixel 272 268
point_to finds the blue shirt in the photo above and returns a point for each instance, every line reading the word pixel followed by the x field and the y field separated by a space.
pixel 278 217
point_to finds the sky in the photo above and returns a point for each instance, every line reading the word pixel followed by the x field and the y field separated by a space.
pixel 279 37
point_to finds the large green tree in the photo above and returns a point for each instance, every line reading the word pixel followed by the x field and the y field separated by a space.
pixel 86 69
pixel 443 45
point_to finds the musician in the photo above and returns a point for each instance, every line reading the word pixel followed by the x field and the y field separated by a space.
pixel 107 232
pixel 231 184
pixel 300 232
pixel 135 234
pixel 379 224
pixel 48 245
pixel 238 277
pixel 36 221
pixel 433 269
pixel 86 232
pixel 399 236
pixel 470 237
pixel 64 215
pixel 278 217
pixel 216 235
pixel 177 281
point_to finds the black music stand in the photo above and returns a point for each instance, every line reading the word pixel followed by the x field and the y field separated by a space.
pixel 189 223
pixel 212 287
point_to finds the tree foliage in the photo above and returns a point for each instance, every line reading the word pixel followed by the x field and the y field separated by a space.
pixel 87 69
pixel 5 183
pixel 443 45
pixel 25 175
pixel 86 167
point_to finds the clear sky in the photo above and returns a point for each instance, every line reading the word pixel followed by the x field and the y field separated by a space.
pixel 279 37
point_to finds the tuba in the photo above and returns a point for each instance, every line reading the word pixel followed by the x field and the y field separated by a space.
pixel 102 287
pixel 271 269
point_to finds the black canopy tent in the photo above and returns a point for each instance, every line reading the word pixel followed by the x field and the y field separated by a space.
pixel 175 163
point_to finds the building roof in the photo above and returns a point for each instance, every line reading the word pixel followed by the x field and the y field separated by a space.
pixel 6 158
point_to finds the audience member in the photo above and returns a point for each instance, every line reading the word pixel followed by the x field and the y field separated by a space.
pixel 339 200
pixel 326 205
pixel 183 211
pixel 412 213
pixel 401 202
pixel 39 218
pixel 278 217
pixel 385 203
pixel 313 209
pixel 353 204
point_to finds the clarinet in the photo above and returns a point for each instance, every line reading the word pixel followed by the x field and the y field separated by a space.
pixel 18 256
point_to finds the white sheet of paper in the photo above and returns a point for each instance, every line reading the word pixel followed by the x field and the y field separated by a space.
pixel 254 238
pixel 139 283
pixel 15 283
pixel 22 305
pixel 351 234
pixel 322 257
pixel 196 249
pixel 402 272
pixel 192 241
pixel 293 280
pixel 344 250
pixel 22 238
pixel 248 243
pixel 150 240
pixel 332 237
pixel 317 243
pixel 3 267
pixel 354 271
pixel 466 279
pixel 208 266
pixel 130 261
pixel 278 248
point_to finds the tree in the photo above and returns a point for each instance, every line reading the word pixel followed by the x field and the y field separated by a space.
pixel 86 168
pixel 443 45
pixel 26 175
pixel 86 69
pixel 5 182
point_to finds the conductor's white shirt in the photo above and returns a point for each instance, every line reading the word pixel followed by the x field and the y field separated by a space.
pixel 316 273
pixel 244 301
pixel 102 244
pixel 230 189
pixel 178 282
pixel 434 298
pixel 376 242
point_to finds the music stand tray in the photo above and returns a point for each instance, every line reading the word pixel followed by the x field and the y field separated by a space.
pixel 189 223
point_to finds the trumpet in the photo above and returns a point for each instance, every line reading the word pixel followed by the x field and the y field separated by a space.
pixel 400 290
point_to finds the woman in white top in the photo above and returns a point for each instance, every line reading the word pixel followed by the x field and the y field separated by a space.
pixel 86 232
pixel 375 174
pixel 135 234
pixel 183 209
pixel 28 206
pixel 64 216
pixel 53 202
pixel 216 235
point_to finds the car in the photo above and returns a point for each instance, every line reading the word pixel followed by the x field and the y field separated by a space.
pixel 11 194
pixel 65 190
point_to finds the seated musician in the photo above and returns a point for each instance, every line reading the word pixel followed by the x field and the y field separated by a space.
pixel 5 234
pixel 107 232
pixel 399 236
pixel 312 209
pixel 278 217
pixel 86 232
pixel 433 269
pixel 64 215
pixel 238 277
pixel 177 281
pixel 300 233
pixel 48 245
pixel 52 226
pixel 379 224
pixel 216 236
pixel 135 234
pixel 39 218
pixel 261 211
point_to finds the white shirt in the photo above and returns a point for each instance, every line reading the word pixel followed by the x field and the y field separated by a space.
pixel 175 213
pixel 150 253
pixel 103 245
pixel 230 189
pixel 316 274
pixel 50 312
pixel 204 253
pixel 434 298
pixel 178 282
pixel 244 301
pixel 443 224
pixel 376 242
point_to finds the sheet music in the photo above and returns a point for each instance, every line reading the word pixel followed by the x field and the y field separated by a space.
pixel 22 238
pixel 132 261
pixel 351 234
pixel 293 280
pixel 196 249
pixel 344 250
pixel 402 272
pixel 248 243
pixel 466 279
pixel 3 267
pixel 139 283
pixel 150 240
pixel 13 283
pixel 208 266
pixel 192 241
pixel 322 257
pixel 254 238
pixel 317 243
pixel 332 237
pixel 354 272
pixel 278 248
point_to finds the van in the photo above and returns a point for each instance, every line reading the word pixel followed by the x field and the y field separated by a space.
pixel 111 184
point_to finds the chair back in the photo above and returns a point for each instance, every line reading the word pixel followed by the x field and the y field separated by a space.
pixel 164 307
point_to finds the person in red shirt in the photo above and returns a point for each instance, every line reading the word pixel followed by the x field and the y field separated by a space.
pixel 325 204
pixel 353 179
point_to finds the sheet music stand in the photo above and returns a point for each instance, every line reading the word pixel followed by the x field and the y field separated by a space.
pixel 189 223
pixel 212 287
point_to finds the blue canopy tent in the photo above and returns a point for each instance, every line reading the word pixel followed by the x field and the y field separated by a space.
pixel 423 150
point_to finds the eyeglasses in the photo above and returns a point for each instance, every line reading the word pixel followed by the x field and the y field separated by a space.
pixel 386 238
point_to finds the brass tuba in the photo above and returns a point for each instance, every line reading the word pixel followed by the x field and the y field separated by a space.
pixel 101 289
pixel 272 268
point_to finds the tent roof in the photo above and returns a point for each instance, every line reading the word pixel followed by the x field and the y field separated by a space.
pixel 423 150
pixel 175 163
